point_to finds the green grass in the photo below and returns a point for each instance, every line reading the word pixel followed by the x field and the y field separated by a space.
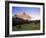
pixel 30 26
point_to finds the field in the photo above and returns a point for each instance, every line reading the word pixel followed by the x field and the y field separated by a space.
pixel 24 27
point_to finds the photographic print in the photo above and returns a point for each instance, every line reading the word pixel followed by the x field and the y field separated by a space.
pixel 25 18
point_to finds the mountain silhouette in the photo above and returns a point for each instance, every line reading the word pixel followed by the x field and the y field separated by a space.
pixel 22 18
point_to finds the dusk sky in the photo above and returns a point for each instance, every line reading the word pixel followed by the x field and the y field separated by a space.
pixel 29 10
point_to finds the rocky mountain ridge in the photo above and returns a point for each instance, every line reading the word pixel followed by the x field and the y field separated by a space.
pixel 22 18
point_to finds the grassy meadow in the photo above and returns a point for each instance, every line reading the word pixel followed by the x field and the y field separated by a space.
pixel 24 27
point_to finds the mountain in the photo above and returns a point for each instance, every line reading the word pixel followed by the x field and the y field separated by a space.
pixel 21 18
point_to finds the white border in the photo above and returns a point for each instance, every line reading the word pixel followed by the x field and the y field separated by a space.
pixel 25 32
